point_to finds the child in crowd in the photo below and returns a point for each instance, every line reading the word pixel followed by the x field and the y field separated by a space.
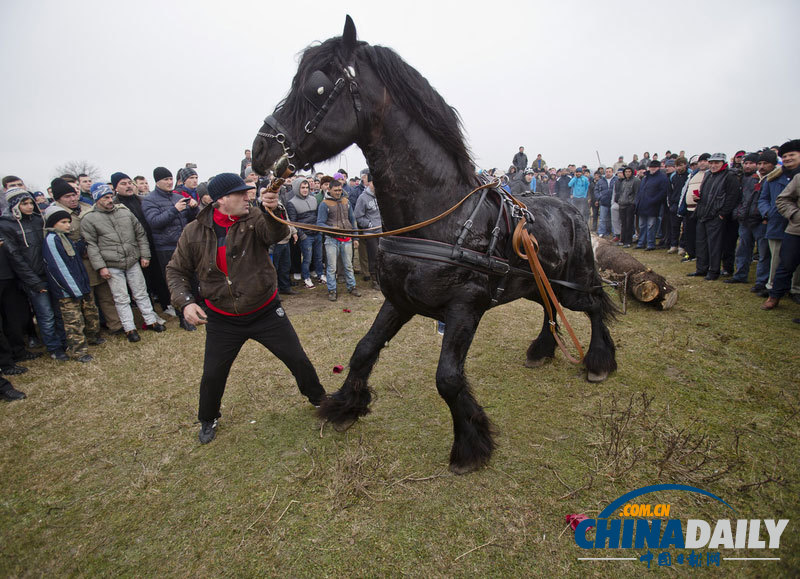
pixel 69 283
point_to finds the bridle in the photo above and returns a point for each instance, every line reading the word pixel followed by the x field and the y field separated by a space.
pixel 294 151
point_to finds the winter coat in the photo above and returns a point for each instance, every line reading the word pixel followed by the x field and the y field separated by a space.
pixel 366 213
pixel 520 161
pixel 747 213
pixel 336 214
pixel 66 275
pixel 251 279
pixel 720 193
pixel 603 191
pixel 771 187
pixel 788 204
pixel 303 210
pixel 520 187
pixel 652 192
pixel 76 238
pixel 676 183
pixel 562 187
pixel 166 222
pixel 625 191
pixel 24 239
pixel 114 238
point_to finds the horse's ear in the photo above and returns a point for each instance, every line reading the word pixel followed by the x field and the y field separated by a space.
pixel 349 36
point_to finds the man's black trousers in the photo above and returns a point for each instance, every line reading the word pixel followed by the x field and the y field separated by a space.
pixel 225 336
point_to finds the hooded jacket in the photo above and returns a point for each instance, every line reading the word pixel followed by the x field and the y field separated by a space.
pixel 251 279
pixel 626 190
pixel 66 275
pixel 76 238
pixel 114 238
pixel 302 209
pixel 24 238
pixel 366 213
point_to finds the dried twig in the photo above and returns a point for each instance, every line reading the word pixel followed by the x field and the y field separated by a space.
pixel 286 509
pixel 491 542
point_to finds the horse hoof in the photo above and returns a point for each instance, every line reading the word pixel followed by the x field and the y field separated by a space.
pixel 344 426
pixel 537 363
pixel 468 467
pixel 596 376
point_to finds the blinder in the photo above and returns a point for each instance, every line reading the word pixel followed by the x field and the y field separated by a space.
pixel 317 88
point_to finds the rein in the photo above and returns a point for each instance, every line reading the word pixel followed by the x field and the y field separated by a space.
pixel 524 243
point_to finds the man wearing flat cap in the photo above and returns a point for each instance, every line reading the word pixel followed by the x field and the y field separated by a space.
pixel 241 292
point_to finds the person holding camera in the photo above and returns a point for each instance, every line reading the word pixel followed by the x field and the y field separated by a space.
pixel 241 292
pixel 167 213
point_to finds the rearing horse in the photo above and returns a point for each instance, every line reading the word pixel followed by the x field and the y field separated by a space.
pixel 346 91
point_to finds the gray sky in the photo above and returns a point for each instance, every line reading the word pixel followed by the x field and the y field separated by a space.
pixel 133 85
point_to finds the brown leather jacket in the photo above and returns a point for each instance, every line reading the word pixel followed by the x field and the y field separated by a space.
pixel 251 278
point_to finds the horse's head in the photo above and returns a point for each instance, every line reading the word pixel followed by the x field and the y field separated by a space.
pixel 321 115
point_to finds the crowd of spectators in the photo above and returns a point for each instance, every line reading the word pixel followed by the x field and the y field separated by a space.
pixel 73 259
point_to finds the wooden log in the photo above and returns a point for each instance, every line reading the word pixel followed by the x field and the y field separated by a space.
pixel 641 282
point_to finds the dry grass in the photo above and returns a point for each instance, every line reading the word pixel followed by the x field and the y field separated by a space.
pixel 102 472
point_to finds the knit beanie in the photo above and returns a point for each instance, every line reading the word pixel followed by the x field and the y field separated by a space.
pixel 161 173
pixel 188 172
pixel 116 178
pixel 751 158
pixel 99 190
pixel 768 156
pixel 60 188
pixel 53 215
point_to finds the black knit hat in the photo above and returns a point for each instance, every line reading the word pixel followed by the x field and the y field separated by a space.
pixel 655 164
pixel 792 146
pixel 188 172
pixel 59 187
pixel 53 215
pixel 768 156
pixel 225 184
pixel 751 158
pixel 161 173
pixel 116 178
pixel 704 157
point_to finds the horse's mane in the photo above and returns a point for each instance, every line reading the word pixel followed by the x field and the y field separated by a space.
pixel 415 95
pixel 407 87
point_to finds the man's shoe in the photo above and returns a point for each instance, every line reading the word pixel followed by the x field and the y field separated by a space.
pixel 627 246
pixel 10 394
pixel 353 291
pixel 27 355
pixel 187 326
pixel 289 292
pixel 323 279
pixel 14 370
pixel 366 278
pixel 725 273
pixel 615 239
pixel 60 356
pixel 696 274
pixel 170 311
pixel 681 251
pixel 771 303
pixel 34 342
pixel 133 336
pixel 96 341
pixel 86 358
pixel 795 298
pixel 158 327
pixel 208 430
pixel 711 277
pixel 672 249
pixel 308 282
pixel 332 296
pixel 687 258
pixel 652 248
pixel 757 289
pixel 734 280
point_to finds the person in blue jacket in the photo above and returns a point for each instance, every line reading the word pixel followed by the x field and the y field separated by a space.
pixel 579 187
pixel 652 193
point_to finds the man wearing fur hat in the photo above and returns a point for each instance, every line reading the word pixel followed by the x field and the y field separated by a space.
pixel 241 292
pixel 67 198
pixel 22 229
pixel 777 223
pixel 118 250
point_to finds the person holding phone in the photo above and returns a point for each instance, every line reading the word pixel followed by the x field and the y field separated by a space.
pixel 241 292
pixel 167 213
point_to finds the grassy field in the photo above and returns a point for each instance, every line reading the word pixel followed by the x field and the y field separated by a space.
pixel 102 472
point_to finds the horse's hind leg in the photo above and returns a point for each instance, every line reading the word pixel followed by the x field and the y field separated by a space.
pixel 600 359
pixel 472 436
pixel 352 400
pixel 543 348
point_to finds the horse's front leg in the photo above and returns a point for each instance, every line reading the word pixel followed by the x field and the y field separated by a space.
pixel 472 433
pixel 352 400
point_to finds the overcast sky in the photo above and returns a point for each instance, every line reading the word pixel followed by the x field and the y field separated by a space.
pixel 132 85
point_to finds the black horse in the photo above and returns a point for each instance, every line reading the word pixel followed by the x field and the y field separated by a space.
pixel 347 91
